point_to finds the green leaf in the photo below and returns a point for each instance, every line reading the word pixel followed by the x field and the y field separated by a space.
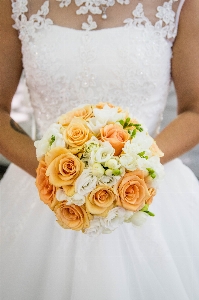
pixel 116 172
pixel 150 213
pixel 141 154
pixel 151 173
pixel 52 140
pixel 133 133
pixel 121 122
pixel 126 122
pixel 145 208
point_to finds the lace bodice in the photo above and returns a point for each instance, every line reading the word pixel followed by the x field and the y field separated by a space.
pixel 127 65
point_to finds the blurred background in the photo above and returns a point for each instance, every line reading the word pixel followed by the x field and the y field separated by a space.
pixel 22 114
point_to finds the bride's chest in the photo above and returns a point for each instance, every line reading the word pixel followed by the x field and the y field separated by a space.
pixel 110 56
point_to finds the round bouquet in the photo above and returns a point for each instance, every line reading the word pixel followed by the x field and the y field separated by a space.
pixel 98 167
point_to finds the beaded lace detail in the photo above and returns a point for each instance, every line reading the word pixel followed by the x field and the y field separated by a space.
pixel 65 68
pixel 165 25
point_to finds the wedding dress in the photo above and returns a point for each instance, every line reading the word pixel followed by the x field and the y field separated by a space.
pixel 127 65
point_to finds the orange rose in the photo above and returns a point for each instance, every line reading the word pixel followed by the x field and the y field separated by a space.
pixel 132 190
pixel 115 135
pixel 46 190
pixel 101 105
pixel 100 200
pixel 85 113
pixel 152 193
pixel 71 216
pixel 77 133
pixel 64 169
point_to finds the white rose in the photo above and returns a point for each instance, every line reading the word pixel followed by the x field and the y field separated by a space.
pixel 104 153
pixel 140 143
pixel 85 183
pixel 139 218
pixel 51 139
pixel 95 227
pixel 129 162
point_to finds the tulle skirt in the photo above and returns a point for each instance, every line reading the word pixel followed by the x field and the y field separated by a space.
pixel 158 261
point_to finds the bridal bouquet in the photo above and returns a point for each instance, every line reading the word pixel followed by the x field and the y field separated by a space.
pixel 98 167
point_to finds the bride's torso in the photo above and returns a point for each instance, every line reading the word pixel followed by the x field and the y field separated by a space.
pixel 127 65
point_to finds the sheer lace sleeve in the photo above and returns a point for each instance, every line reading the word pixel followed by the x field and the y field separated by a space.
pixel 32 15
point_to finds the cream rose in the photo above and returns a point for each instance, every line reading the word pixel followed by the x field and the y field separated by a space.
pixel 100 200
pixel 71 216
pixel 132 190
pixel 77 133
pixel 115 135
pixel 85 113
pixel 46 190
pixel 64 169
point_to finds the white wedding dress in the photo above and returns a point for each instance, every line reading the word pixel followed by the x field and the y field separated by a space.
pixel 128 66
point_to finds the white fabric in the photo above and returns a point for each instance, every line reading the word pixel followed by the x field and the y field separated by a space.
pixel 129 66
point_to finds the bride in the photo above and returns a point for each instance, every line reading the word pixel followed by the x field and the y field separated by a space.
pixel 123 52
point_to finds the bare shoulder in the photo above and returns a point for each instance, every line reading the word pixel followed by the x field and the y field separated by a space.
pixel 185 62
pixel 10 56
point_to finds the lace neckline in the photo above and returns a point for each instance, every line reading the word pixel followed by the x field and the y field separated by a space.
pixel 165 25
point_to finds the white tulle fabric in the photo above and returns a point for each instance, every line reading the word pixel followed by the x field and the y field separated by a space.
pixel 128 66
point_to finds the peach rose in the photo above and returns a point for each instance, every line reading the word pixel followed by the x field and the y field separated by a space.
pixel 115 135
pixel 156 150
pixel 77 133
pixel 132 190
pixel 71 216
pixel 100 200
pixel 85 113
pixel 101 105
pixel 64 169
pixel 152 193
pixel 46 190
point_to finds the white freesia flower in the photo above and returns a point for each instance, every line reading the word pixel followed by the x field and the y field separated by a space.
pixel 85 183
pixel 104 153
pixel 75 199
pixel 115 218
pixel 129 161
pixel 108 114
pixel 95 227
pixel 139 218
pixel 95 125
pixel 153 163
pixel 51 139
pixel 108 180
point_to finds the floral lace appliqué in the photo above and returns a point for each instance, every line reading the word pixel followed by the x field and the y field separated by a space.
pixel 28 28
pixel 90 25
pixel 165 26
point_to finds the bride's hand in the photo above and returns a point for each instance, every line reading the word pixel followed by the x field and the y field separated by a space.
pixel 183 133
